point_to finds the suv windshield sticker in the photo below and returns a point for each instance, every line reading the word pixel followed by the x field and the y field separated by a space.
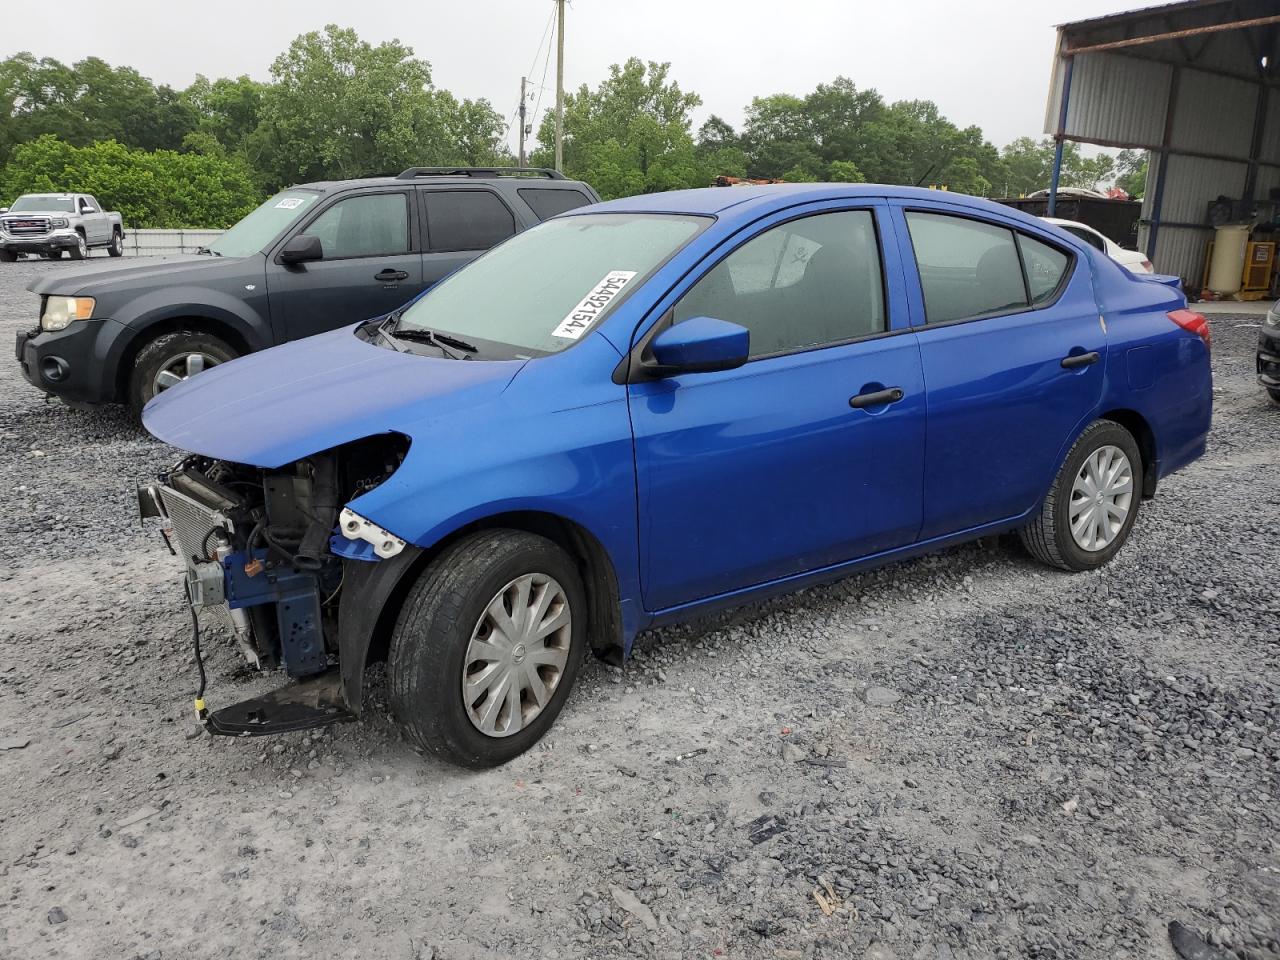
pixel 290 203
pixel 592 305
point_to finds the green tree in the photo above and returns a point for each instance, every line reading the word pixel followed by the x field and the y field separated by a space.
pixel 1131 170
pixel 159 188
pixel 630 135
pixel 227 110
pixel 339 107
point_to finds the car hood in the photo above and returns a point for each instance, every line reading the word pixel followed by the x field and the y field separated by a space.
pixel 89 281
pixel 274 407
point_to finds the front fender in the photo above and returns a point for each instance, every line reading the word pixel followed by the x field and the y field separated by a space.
pixel 249 318
pixel 366 589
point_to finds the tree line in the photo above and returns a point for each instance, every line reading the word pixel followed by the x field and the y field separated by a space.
pixel 338 107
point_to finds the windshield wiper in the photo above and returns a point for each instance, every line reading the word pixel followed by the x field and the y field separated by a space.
pixel 430 336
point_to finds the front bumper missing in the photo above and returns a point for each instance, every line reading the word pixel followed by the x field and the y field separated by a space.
pixel 218 578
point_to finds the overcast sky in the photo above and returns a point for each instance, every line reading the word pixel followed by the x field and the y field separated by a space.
pixel 983 62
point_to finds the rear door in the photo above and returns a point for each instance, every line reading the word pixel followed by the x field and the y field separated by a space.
pixel 1012 349
pixel 371 266
pixel 461 223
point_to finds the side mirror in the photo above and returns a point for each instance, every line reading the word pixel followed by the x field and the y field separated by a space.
pixel 301 249
pixel 698 345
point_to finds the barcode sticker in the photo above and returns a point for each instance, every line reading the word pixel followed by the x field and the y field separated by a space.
pixel 592 305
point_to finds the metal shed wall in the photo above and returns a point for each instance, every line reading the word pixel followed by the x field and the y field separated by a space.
pixel 1204 104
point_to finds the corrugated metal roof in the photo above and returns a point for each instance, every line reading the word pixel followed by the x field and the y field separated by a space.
pixel 1116 98
pixel 1214 114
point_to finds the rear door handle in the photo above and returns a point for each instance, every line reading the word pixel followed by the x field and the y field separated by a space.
pixel 388 275
pixel 1080 360
pixel 890 395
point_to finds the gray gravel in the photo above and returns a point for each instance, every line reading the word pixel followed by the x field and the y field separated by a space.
pixel 966 756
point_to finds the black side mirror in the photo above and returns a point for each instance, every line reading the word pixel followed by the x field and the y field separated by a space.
pixel 302 249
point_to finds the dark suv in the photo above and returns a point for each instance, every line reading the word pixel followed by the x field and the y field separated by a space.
pixel 312 258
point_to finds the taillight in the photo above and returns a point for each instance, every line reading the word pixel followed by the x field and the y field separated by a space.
pixel 1195 322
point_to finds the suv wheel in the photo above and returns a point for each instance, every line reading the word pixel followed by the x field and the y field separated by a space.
pixel 8 256
pixel 80 250
pixel 116 247
pixel 170 359
pixel 1088 513
pixel 487 647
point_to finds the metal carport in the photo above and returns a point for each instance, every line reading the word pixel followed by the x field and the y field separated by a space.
pixel 1192 82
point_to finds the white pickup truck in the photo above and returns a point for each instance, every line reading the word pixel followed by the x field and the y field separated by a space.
pixel 49 223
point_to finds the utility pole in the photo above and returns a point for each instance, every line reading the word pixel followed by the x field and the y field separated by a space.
pixel 560 84
pixel 523 82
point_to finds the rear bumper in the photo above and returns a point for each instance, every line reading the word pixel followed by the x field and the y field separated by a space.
pixel 1269 357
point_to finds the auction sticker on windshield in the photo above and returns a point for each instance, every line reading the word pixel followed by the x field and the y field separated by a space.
pixel 290 203
pixel 592 305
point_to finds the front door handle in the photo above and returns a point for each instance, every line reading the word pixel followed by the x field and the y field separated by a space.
pixel 1080 360
pixel 889 395
pixel 390 276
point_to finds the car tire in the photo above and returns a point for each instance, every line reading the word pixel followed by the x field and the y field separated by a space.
pixel 80 250
pixel 1093 503
pixel 447 636
pixel 172 352
pixel 52 255
pixel 8 256
pixel 116 247
pixel 1274 395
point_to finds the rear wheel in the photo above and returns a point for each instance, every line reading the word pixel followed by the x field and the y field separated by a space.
pixel 116 247
pixel 487 647
pixel 1087 515
pixel 80 250
pixel 170 359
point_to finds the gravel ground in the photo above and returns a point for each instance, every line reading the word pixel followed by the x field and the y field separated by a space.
pixel 965 756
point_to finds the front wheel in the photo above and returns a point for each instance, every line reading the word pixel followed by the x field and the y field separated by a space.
pixel 116 247
pixel 8 256
pixel 1087 515
pixel 170 359
pixel 1274 395
pixel 487 647
pixel 80 250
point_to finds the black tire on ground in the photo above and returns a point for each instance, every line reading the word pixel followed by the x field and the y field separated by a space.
pixel 1048 536
pixel 161 352
pixel 1274 395
pixel 433 632
pixel 8 256
pixel 116 247
pixel 52 255
pixel 80 251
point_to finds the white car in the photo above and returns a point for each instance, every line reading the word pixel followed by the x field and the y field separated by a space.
pixel 1131 260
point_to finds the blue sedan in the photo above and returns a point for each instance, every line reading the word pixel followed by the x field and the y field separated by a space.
pixel 653 408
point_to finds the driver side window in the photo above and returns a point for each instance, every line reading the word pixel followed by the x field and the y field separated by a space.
pixel 364 226
pixel 803 284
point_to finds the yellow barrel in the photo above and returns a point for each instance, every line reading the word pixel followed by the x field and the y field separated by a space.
pixel 1226 269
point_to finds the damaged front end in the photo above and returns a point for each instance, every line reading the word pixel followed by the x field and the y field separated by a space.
pixel 270 552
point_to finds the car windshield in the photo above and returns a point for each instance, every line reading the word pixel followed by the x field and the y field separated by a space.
pixel 252 234
pixel 43 204
pixel 540 291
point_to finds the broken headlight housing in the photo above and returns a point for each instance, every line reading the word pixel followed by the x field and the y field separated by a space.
pixel 60 311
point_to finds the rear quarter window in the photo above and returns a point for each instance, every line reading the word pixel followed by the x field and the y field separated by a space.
pixel 546 202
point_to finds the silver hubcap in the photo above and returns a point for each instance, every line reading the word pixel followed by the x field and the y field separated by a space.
pixel 1100 498
pixel 183 367
pixel 517 655
pixel 84 247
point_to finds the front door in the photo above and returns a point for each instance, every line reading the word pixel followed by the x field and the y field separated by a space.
pixel 1013 351
pixel 809 455
pixel 96 230
pixel 370 267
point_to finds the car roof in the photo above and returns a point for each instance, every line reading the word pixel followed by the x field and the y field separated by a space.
pixel 759 199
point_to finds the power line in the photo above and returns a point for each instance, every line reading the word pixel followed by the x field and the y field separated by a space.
pixel 536 53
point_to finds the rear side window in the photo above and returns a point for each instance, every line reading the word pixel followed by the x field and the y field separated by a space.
pixel 1045 266
pixel 466 220
pixel 547 202
pixel 369 226
pixel 1088 236
pixel 802 284
pixel 968 268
